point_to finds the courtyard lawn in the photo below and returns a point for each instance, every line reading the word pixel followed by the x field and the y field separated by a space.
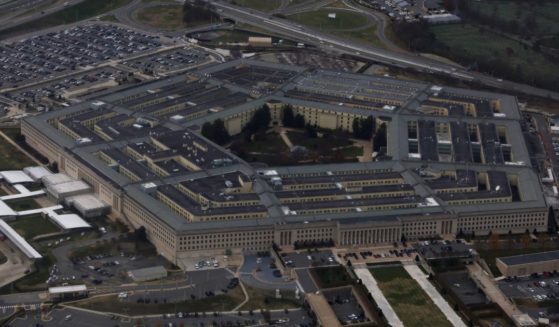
pixel 23 204
pixel 30 226
pixel 262 299
pixel 412 305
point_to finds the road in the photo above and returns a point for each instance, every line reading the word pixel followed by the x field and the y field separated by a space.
pixel 341 45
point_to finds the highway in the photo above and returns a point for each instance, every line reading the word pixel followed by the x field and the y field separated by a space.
pixel 7 22
pixel 326 41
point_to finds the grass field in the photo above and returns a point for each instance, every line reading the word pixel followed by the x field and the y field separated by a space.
pixel 319 19
pixel 260 299
pixel 408 300
pixel 466 41
pixel 261 5
pixel 31 226
pixel 166 16
pixel 12 132
pixel 11 158
pixel 111 303
pixel 327 277
pixel 546 13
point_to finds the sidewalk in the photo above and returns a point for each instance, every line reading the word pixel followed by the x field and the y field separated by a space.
pixel 368 280
pixel 437 298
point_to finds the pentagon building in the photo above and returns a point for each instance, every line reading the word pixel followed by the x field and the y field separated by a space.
pixel 455 160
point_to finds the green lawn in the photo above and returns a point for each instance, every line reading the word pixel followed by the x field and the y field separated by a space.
pixel 367 35
pixel 412 305
pixel 327 277
pixel 31 226
pixel 23 204
pixel 71 14
pixel 467 44
pixel 261 5
pixel 11 158
pixel 262 299
pixel 166 16
pixel 111 303
pixel 12 132
pixel 319 19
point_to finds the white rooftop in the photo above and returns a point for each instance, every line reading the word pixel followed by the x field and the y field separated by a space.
pixel 56 179
pixel 85 202
pixel 19 241
pixel 36 173
pixel 5 210
pixel 68 187
pixel 15 177
pixel 67 289
pixel 68 221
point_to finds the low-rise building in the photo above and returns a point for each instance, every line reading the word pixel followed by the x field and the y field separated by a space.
pixel 527 264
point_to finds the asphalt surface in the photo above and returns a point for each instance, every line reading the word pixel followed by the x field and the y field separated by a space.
pixel 79 318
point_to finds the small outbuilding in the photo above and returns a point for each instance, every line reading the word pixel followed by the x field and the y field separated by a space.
pixel 527 264
pixel 257 41
pixel 64 293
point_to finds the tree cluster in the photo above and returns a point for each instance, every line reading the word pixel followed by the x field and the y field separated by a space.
pixel 194 11
pixel 380 138
pixel 259 121
pixel 290 119
pixel 363 128
pixel 216 132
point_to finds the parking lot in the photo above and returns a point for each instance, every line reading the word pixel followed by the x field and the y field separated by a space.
pixel 345 305
pixel 377 254
pixel 79 318
pixel 41 57
pixel 307 58
pixel 262 272
pixel 539 288
pixel 168 61
pixel 202 284
pixel 100 269
pixel 68 86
